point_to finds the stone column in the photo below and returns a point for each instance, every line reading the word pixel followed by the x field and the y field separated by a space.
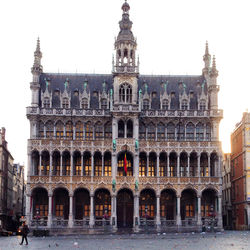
pixel 168 165
pixel 208 163
pixel 125 129
pixel 113 212
pixel 199 165
pixel 158 218
pixel 50 212
pixel 30 167
pixel 157 165
pixel 188 170
pixel 178 165
pixel 74 131
pixel 44 132
pixel 70 225
pixel 114 165
pixel 102 164
pixel 61 166
pixel 50 164
pixel 219 212
pixel 147 164
pixel 71 164
pixel 54 131
pixel 28 209
pixel 92 164
pixel 82 164
pixel 136 213
pixel 136 166
pixel 199 211
pixel 91 219
pixel 40 164
pixel 178 216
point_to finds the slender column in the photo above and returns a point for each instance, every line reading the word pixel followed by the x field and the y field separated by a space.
pixel 136 129
pixel 44 132
pixel 188 170
pixel 156 131
pixel 136 166
pixel 71 164
pixel 136 212
pixel 61 158
pixel 82 164
pixel 219 212
pixel 147 164
pixel 178 165
pixel 168 166
pixel 31 169
pixel 102 165
pixel 114 165
pixel 91 219
pixel 70 225
pixel 92 164
pixel 113 212
pixel 28 209
pixel 54 131
pixel 64 131
pixel 50 164
pixel 50 211
pixel 158 218
pixel 157 165
pixel 83 132
pixel 178 216
pixel 40 164
pixel 199 211
pixel 125 129
pixel 208 163
pixel 199 165
pixel 74 131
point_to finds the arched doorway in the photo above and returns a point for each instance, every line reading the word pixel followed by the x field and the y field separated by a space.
pixel 125 208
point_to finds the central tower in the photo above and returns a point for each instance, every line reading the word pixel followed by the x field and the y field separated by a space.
pixel 125 69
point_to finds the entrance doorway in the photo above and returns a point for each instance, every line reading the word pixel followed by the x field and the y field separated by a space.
pixel 125 209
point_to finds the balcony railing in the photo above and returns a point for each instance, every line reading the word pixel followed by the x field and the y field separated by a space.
pixel 84 223
pixel 189 223
pixel 168 223
pixel 59 223
pixel 147 223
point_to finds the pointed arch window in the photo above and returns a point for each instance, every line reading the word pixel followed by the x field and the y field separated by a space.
pixel 151 132
pixel 104 103
pixel 108 130
pixel 146 104
pixel 46 103
pixel 125 93
pixel 199 132
pixel 203 105
pixel 120 129
pixel 79 131
pixel 184 105
pixel 165 104
pixel 59 130
pixel 160 132
pixel 65 103
pixel 129 129
pixel 41 130
pixel 170 131
pixel 84 103
pixel 69 130
pixel 88 131
pixel 208 132
pixel 49 129
pixel 98 130
pixel 190 131
pixel 142 131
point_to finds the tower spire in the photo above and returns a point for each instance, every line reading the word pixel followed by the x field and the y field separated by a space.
pixel 207 57
pixel 214 71
pixel 37 67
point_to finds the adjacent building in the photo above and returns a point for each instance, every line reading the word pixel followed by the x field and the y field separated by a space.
pixel 226 192
pixel 240 173
pixel 124 149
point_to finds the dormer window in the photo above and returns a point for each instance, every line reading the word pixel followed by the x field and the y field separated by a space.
pixel 46 102
pixel 104 104
pixel 146 104
pixel 165 104
pixel 65 103
pixel 125 93
pixel 84 103
pixel 184 105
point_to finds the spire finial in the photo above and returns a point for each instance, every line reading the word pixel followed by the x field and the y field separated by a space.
pixel 214 71
pixel 207 57
pixel 206 52
pixel 37 67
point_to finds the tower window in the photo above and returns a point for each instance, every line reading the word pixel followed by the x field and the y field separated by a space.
pixel 146 104
pixel 84 103
pixel 65 103
pixel 104 104
pixel 184 105
pixel 165 104
pixel 125 93
pixel 202 105
pixel 46 103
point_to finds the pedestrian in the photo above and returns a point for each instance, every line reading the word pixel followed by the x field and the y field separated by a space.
pixel 25 231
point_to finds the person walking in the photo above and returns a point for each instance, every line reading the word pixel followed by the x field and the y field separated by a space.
pixel 25 231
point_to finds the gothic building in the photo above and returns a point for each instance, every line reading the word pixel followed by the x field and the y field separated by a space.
pixel 124 149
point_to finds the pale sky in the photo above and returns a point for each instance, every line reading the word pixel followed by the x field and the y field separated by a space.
pixel 78 36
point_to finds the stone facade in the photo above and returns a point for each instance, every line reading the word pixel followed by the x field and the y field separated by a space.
pixel 124 150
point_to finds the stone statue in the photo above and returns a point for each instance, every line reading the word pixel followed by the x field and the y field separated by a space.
pixel 136 185
pixel 136 144
pixel 113 185
pixel 114 144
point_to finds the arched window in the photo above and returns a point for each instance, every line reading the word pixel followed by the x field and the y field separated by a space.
pixel 163 164
pixel 69 130
pixel 120 129
pixel 84 103
pixel 143 164
pixel 104 104
pixel 121 167
pixel 173 164
pixel 152 165
pixel 180 131
pixel 87 164
pixel 184 105
pixel 199 132
pixel 65 103
pixel 190 132
pixel 142 131
pixel 107 164
pixel 129 129
pixel 208 132
pixel 203 105
pixel 98 164
pixel 125 93
pixel 146 104
pixel 165 104
pixel 77 161
pixel 151 132
pixel 79 131
pixel 88 131
pixel 170 131
pixel 49 129
pixel 160 132
pixel 183 164
pixel 108 130
pixel 46 102
pixel 40 129
pixel 98 130
pixel 59 130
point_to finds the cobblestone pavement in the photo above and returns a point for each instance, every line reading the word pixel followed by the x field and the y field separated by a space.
pixel 226 240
